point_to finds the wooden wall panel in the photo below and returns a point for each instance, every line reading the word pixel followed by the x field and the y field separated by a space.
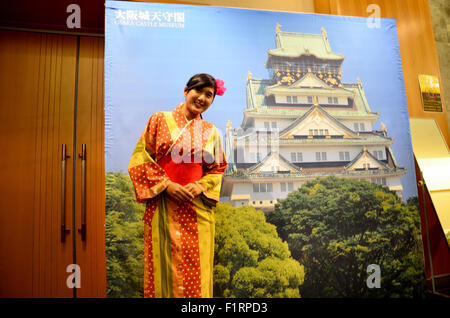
pixel 91 254
pixel 416 40
pixel 16 154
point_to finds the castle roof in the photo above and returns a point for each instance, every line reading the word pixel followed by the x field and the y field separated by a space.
pixel 365 157
pixel 309 84
pixel 314 113
pixel 258 103
pixel 274 157
pixel 292 45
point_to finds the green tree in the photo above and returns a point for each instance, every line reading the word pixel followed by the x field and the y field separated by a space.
pixel 337 227
pixel 124 238
pixel 250 259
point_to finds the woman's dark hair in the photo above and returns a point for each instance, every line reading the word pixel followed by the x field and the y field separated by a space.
pixel 200 81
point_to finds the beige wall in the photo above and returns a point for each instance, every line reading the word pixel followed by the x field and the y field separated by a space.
pixel 280 5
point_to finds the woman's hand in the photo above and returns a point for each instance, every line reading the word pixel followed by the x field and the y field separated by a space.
pixel 178 192
pixel 194 188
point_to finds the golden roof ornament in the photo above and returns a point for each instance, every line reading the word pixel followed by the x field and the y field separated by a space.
pixel 278 27
pixel 324 33
pixel 359 81
pixel 249 75
pixel 383 126
pixel 229 124
pixel 316 103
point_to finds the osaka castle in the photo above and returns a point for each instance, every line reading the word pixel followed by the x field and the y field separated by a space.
pixel 302 123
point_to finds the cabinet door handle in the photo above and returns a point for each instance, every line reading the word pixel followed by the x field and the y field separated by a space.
pixel 83 193
pixel 64 230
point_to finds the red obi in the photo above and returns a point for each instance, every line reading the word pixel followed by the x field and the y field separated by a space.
pixel 183 172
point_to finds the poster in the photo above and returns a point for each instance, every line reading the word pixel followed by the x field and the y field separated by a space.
pixel 320 197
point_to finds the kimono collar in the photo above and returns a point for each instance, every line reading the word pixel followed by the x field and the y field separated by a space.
pixel 180 117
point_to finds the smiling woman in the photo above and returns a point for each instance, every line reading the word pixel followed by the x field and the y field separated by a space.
pixel 200 92
pixel 180 195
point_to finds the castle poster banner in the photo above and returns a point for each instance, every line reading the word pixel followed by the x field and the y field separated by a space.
pixel 319 198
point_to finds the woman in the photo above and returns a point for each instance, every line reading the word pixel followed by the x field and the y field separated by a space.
pixel 177 168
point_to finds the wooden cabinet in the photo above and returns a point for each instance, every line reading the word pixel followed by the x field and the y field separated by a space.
pixel 51 95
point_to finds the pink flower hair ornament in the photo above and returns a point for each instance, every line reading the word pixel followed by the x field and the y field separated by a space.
pixel 220 89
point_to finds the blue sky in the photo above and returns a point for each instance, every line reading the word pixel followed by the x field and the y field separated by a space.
pixel 146 68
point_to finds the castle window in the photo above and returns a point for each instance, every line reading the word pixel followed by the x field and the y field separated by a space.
pixel 283 186
pixel 381 181
pixel 330 100
pixel 290 186
pixel 321 156
pixel 274 124
pixel 267 125
pixel 344 155
pixel 326 132
pixel 293 157
pixel 296 157
pixel 289 99
pixel 262 187
pixel 310 99
pixel 361 127
pixel 310 132
pixel 356 127
pixel 318 156
pixel 335 100
pixel 294 99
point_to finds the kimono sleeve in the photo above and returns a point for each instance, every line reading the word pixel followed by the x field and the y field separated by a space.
pixel 213 169
pixel 148 178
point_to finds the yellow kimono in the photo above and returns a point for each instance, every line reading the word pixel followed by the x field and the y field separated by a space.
pixel 179 236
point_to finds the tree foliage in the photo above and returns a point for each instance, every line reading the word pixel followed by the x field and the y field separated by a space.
pixel 124 238
pixel 337 227
pixel 250 259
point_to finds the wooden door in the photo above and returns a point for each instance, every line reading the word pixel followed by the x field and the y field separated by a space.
pixel 37 87
pixel 91 252
pixel 45 105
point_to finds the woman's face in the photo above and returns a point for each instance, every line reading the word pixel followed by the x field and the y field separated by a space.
pixel 197 101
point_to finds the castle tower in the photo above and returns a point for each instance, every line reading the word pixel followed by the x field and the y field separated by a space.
pixel 303 123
